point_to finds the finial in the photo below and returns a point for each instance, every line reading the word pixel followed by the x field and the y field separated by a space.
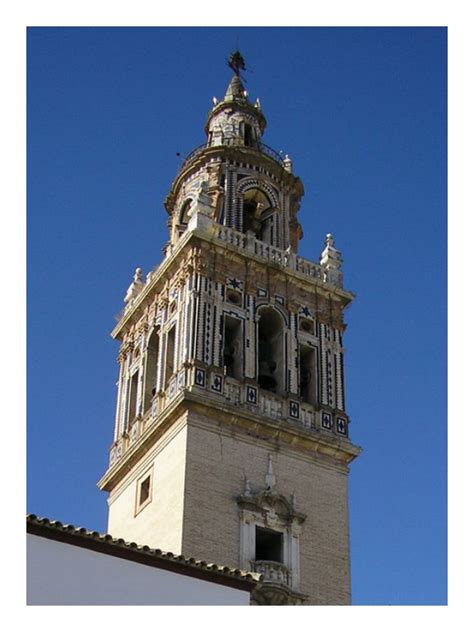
pixel 270 478
pixel 331 262
pixel 135 286
pixel 137 277
pixel 236 62
pixel 287 164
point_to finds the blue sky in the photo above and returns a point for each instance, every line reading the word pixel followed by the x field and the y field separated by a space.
pixel 362 113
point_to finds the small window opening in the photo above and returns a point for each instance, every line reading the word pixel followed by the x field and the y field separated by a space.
pixel 248 135
pixel 268 545
pixel 232 347
pixel 306 357
pixel 145 488
pixel 170 353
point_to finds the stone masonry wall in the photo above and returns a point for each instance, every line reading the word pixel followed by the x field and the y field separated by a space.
pixel 218 463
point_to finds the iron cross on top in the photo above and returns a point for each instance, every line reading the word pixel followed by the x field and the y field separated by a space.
pixel 236 62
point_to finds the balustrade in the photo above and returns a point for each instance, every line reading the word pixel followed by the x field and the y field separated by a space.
pixel 273 572
pixel 269 252
pixel 271 405
pixel 308 417
pixel 267 404
pixel 232 391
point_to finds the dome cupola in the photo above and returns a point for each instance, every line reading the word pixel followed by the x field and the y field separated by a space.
pixel 235 120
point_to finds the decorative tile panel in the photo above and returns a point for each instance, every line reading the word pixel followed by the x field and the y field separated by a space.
pixel 200 377
pixel 341 426
pixel 294 409
pixel 251 395
pixel 235 284
pixel 216 383
pixel 326 420
pixel 305 312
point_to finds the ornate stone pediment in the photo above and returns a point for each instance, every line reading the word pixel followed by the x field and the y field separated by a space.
pixel 273 506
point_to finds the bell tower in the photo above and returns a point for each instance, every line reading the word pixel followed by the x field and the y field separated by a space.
pixel 231 439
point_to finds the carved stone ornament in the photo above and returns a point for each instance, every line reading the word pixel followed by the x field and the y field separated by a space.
pixel 268 594
pixel 272 506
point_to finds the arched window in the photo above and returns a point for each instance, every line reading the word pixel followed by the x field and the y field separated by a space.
pixel 271 340
pixel 258 215
pixel 183 218
pixel 152 354
pixel 307 379
pixel 232 347
pixel 170 367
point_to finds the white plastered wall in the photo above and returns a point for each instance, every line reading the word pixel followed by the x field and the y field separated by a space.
pixel 63 574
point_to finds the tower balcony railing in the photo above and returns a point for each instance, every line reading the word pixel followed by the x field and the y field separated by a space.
pixel 234 142
pixel 266 251
pixel 272 572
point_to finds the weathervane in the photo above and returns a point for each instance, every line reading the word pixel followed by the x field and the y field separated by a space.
pixel 236 62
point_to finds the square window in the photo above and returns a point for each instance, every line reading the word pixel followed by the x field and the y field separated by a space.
pixel 268 545
pixel 143 495
pixel 144 490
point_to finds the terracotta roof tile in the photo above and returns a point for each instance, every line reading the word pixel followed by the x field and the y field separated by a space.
pixel 141 553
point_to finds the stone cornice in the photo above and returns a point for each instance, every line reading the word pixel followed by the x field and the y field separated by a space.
pixel 159 277
pixel 146 441
pixel 162 273
pixel 334 451
pixel 325 289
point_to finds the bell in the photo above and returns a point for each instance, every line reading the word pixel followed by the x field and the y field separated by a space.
pixel 265 377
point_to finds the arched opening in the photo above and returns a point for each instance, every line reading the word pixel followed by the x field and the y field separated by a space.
pixel 132 399
pixel 183 217
pixel 232 347
pixel 307 373
pixel 270 351
pixel 151 368
pixel 257 215
pixel 170 367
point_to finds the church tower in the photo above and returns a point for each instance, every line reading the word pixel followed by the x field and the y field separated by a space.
pixel 231 439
